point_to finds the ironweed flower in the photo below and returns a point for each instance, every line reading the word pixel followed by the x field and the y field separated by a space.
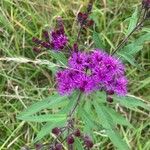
pixel 55 39
pixel 92 71
pixel 58 39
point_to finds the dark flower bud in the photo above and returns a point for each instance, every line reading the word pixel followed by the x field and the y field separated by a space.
pixel 37 49
pixel 146 4
pixel 90 23
pixel 80 15
pixel 45 44
pixel 89 8
pixel 75 47
pixel 46 35
pixel 77 133
pixel 56 131
pixel 70 139
pixel 36 40
pixel 84 16
pixel 61 31
pixel 58 146
pixel 38 146
pixel 110 92
pixel 88 142
pixel 109 99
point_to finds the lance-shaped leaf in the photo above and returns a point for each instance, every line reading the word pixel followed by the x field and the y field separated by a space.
pixel 50 102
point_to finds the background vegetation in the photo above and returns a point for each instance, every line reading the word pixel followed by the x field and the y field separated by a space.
pixel 24 81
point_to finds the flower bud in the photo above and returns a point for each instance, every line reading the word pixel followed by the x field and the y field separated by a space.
pixel 70 139
pixel 88 142
pixel 85 16
pixel 75 47
pixel 46 35
pixel 90 23
pixel 56 131
pixel 45 44
pixel 77 133
pixel 36 40
pixel 58 146
pixel 80 16
pixel 37 49
pixel 38 146
pixel 109 99
pixel 89 7
pixel 110 92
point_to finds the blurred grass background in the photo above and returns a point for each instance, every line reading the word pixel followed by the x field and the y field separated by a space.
pixel 21 84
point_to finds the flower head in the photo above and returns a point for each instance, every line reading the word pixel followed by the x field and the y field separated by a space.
pixel 58 39
pixel 92 71
pixel 55 39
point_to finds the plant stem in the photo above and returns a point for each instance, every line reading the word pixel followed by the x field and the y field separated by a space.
pixel 126 38
pixel 78 36
pixel 68 126
pixel 75 106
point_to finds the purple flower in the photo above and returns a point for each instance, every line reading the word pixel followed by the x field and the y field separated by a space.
pixel 66 81
pixel 55 39
pixel 120 87
pixel 92 71
pixel 77 60
pixel 58 39
pixel 85 83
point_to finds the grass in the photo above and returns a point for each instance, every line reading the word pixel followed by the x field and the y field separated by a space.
pixel 23 81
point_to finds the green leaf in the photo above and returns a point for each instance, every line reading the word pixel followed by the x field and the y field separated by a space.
pixel 71 102
pixel 78 145
pixel 98 40
pixel 100 97
pixel 50 102
pixel 46 129
pixel 130 50
pixel 96 14
pixel 59 56
pixel 117 139
pixel 89 122
pixel 44 118
pixel 108 123
pixel 133 21
pixel 104 117
pixel 127 57
pixel 142 39
pixel 132 102
pixel 117 118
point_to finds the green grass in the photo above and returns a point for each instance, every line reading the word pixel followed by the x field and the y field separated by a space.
pixel 23 81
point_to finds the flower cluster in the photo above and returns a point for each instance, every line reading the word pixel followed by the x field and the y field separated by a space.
pixel 83 18
pixel 70 139
pixel 54 39
pixel 84 21
pixel 92 71
pixel 58 39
